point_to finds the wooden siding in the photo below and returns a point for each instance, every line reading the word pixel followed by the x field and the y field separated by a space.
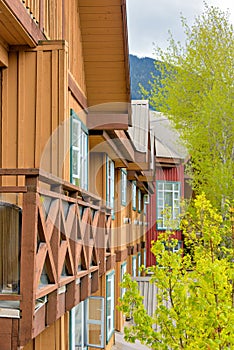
pixel 55 337
pixel 34 104
pixel 74 39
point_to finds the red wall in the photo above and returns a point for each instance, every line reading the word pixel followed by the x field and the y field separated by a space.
pixel 164 174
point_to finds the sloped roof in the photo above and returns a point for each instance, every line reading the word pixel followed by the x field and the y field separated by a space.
pixel 168 143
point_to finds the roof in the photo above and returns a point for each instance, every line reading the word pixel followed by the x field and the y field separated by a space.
pixel 168 144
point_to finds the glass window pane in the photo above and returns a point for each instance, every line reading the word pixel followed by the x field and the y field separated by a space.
pixel 160 195
pixel 168 199
pixel 95 309
pixel 75 165
pixel 160 186
pixel 78 325
pixel 168 187
pixel 94 334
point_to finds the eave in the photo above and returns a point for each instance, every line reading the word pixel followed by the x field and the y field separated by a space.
pixel 107 121
pixel 105 51
pixel 167 162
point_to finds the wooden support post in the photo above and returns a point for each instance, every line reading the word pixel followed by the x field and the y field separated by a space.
pixel 28 254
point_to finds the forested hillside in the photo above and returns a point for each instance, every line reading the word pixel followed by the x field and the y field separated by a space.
pixel 140 72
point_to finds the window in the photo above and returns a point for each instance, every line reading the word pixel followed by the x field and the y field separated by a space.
pixel 144 254
pixel 79 152
pixel 110 184
pixel 139 200
pixel 123 186
pixel 134 195
pixel 146 202
pixel 87 324
pixel 110 304
pixel 10 236
pixel 123 270
pixel 134 266
pixel 168 196
pixel 138 263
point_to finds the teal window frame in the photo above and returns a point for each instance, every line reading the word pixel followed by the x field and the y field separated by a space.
pixel 144 257
pixel 110 185
pixel 145 200
pixel 139 200
pixel 134 266
pixel 82 324
pixel 167 191
pixel 134 195
pixel 123 187
pixel 138 264
pixel 78 152
pixel 110 305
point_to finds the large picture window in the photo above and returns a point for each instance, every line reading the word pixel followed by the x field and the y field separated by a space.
pixel 79 152
pixel 110 304
pixel 168 196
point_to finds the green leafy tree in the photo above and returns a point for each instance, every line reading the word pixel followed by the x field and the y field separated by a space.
pixel 195 293
pixel 195 90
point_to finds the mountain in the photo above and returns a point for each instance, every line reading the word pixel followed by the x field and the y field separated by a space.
pixel 140 72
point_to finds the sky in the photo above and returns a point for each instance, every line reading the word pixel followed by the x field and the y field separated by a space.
pixel 150 20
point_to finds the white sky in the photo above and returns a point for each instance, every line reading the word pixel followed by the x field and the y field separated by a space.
pixel 150 20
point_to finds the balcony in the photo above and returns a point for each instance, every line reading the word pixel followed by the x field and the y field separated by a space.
pixel 54 245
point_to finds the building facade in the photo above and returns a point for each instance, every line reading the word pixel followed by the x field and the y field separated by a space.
pixel 75 173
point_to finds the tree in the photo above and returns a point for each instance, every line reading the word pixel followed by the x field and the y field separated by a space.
pixel 195 300
pixel 195 90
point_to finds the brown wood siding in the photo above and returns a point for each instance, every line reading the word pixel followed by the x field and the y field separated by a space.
pixel 55 337
pixel 35 103
pixel 74 39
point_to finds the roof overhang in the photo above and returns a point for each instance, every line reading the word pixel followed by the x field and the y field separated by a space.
pixel 105 51
pixel 168 162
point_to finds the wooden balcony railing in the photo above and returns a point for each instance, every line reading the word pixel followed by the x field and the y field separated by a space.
pixel 63 247
pixel 33 7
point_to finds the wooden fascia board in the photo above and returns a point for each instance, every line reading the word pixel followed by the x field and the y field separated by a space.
pixel 143 186
pixel 120 159
pixel 138 166
pixel 145 178
pixel 76 92
pixel 115 148
pixel 125 144
pixel 25 25
pixel 107 121
pixel 168 161
pixel 132 175
pixel 126 51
